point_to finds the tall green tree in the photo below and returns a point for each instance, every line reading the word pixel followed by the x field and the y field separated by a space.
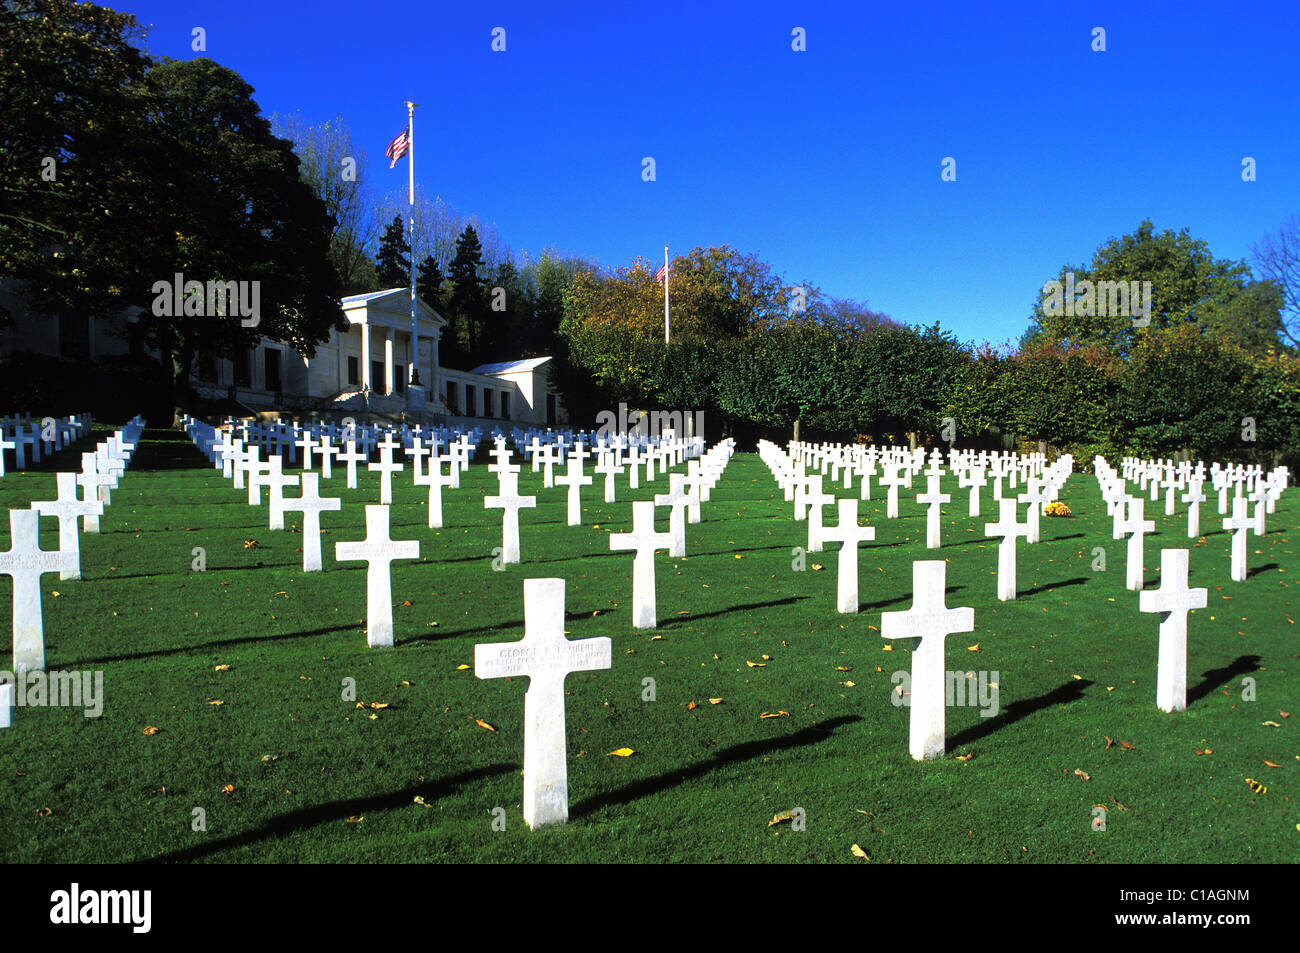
pixel 466 300
pixel 1188 285
pixel 393 263
pixel 75 184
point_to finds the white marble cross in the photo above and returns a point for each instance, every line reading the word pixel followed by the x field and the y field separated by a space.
pixel 890 478
pixel 327 452
pixel 545 656
pixel 378 551
pixel 1135 527
pixel 697 488
pixel 5 445
pixel 550 457
pixel 386 467
pixel 224 447
pixel 307 444
pixel 1194 497
pixel 607 466
pixel 503 465
pixel 1009 528
pixel 1173 599
pixel 68 508
pixel 310 504
pixel 633 467
pixel 1035 495
pixel 6 688
pixel 815 500
pixel 276 480
pixel 96 485
pixel 644 541
pixel 350 456
pixel 849 534
pixel 930 621
pixel 575 480
pixel 677 498
pixel 973 477
pixel 934 499
pixel 1239 524
pixel 510 502
pixel 435 481
pixel 26 562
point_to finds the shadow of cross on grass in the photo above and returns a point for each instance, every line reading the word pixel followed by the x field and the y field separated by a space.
pixel 1217 676
pixel 1069 692
pixel 308 817
pixel 734 754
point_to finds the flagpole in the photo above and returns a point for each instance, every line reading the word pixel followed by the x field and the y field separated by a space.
pixel 415 329
pixel 665 294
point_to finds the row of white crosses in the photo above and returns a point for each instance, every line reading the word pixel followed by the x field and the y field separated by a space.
pixel 378 550
pixel 545 656
pixel 806 492
pixel 25 562
pixel 1128 511
pixel 52 433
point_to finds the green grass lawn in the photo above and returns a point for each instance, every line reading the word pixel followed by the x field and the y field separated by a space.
pixel 286 770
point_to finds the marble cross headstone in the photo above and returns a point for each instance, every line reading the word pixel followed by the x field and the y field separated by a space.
pixel 510 502
pixel 311 504
pixel 386 467
pixel 1135 527
pixel 68 509
pixel 890 478
pixel 1194 497
pixel 849 534
pixel 276 481
pixel 435 481
pixel 644 541
pixel 575 481
pixel 932 498
pixel 1009 528
pixel 26 562
pixel 351 457
pixel 378 551
pixel 1239 524
pixel 930 621
pixel 1173 600
pixel 545 656
pixel 676 498
pixel 816 499
pixel 607 465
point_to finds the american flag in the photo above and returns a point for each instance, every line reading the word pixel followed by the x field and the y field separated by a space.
pixel 399 146
pixel 661 274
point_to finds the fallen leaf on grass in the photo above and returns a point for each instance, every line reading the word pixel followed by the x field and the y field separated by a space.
pixel 354 819
pixel 216 701
pixel 1083 774
pixel 151 730
pixel 221 668
pixel 843 668
pixel 755 664
pixel 1272 765
pixel 778 818
pixel 483 724
pixel 779 713
pixel 421 801
pixel 973 648
pixel 623 752
pixel 228 789
pixel 1125 744
pixel 690 706
pixel 461 668
pixel 817 567
pixel 1204 751
pixel 1271 724
pixel 715 701
pixel 965 757
pixel 857 851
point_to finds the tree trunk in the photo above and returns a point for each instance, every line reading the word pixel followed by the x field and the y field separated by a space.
pixel 796 430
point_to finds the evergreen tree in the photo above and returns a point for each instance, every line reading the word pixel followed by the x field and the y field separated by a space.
pixel 466 302
pixel 394 261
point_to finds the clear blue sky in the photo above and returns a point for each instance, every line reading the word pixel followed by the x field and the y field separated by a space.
pixel 826 163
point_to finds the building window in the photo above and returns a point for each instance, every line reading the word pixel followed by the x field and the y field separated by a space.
pixel 453 402
pixel 487 402
pixel 550 410
pixel 399 381
pixel 505 405
pixel 354 370
pixel 471 401
pixel 243 362
pixel 273 370
pixel 377 377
